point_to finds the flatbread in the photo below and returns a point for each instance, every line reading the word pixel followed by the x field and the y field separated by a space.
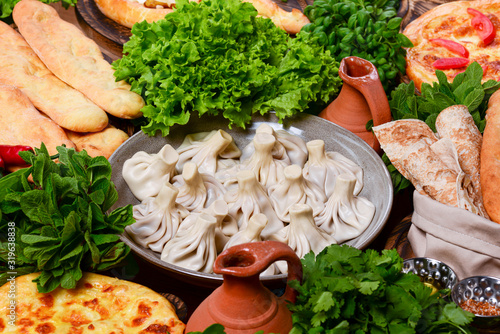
pixel 75 58
pixel 103 143
pixel 22 124
pixel 292 22
pixel 21 67
pixel 490 159
pixel 452 22
pixel 457 124
pixel 99 304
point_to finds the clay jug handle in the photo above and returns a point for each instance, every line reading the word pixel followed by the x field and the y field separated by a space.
pixel 253 258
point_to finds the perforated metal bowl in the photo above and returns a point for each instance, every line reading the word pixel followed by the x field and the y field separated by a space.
pixel 431 271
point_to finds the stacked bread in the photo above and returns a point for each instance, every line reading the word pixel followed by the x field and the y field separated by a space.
pixel 56 87
pixel 444 165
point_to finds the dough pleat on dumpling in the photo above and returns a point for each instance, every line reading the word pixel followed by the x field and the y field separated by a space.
pixel 194 247
pixel 157 219
pixel 205 148
pixel 250 198
pixel 302 234
pixel 345 216
pixel 295 189
pixel 196 190
pixel 322 168
pixel 145 174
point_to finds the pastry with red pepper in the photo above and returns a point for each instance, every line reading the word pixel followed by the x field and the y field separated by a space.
pixel 450 37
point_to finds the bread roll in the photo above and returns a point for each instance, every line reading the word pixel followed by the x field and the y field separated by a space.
pixel 21 67
pixel 22 124
pixel 103 143
pixel 75 58
pixel 490 159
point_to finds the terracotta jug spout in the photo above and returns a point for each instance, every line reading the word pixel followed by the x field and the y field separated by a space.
pixel 361 99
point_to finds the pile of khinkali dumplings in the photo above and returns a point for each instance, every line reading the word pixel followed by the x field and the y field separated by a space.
pixel 208 195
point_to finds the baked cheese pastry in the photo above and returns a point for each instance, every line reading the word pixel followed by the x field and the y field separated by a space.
pixel 75 58
pixel 490 159
pixel 22 124
pixel 21 67
pixel 453 23
pixel 103 143
pixel 129 12
pixel 98 304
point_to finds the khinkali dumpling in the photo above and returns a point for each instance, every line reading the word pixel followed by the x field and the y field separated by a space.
pixel 145 174
pixel 248 199
pixel 302 234
pixel 205 148
pixel 345 216
pixel 287 146
pixel 157 219
pixel 193 248
pixel 294 189
pixel 323 167
pixel 196 191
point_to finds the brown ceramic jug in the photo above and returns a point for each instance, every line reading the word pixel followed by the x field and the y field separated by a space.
pixel 242 304
pixel 361 99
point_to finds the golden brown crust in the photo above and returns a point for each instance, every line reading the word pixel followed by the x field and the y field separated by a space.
pixel 103 143
pixel 291 21
pixel 451 21
pixel 21 67
pixel 490 159
pixel 127 12
pixel 99 304
pixel 22 124
pixel 75 58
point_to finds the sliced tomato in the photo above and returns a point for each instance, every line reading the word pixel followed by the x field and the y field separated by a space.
pixel 483 26
pixel 449 63
pixel 451 46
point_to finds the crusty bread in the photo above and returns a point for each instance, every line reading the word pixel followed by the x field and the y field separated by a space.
pixel 22 124
pixel 291 21
pixel 75 58
pixel 490 159
pixel 103 143
pixel 457 124
pixel 127 12
pixel 21 67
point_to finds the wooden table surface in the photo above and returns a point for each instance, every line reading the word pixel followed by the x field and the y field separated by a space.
pixel 393 234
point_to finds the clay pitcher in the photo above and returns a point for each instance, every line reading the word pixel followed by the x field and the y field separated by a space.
pixel 242 304
pixel 361 99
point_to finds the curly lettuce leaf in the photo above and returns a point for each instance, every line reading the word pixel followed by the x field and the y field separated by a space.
pixel 218 57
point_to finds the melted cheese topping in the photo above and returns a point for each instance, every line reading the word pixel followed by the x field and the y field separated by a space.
pixel 99 304
pixel 453 24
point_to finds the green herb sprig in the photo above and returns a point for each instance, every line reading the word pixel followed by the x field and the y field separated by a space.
pixel 347 290
pixel 368 29
pixel 61 223
pixel 465 89
pixel 218 57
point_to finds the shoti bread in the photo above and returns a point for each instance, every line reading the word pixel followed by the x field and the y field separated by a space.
pixel 431 165
pixel 103 143
pixel 490 159
pixel 292 22
pixel 75 58
pixel 22 124
pixel 99 304
pixel 21 67
pixel 457 124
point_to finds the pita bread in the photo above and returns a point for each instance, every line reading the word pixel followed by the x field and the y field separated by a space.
pixel 21 67
pixel 22 124
pixel 75 58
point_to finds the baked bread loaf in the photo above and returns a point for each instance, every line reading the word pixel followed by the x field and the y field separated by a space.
pixel 103 143
pixel 451 21
pixel 98 304
pixel 21 67
pixel 291 21
pixel 75 58
pixel 22 124
pixel 490 159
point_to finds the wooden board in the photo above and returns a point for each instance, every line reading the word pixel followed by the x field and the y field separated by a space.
pixel 93 21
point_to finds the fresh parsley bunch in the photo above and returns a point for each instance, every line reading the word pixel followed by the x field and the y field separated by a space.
pixel 6 7
pixel 218 57
pixel 61 223
pixel 466 89
pixel 368 29
pixel 347 290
